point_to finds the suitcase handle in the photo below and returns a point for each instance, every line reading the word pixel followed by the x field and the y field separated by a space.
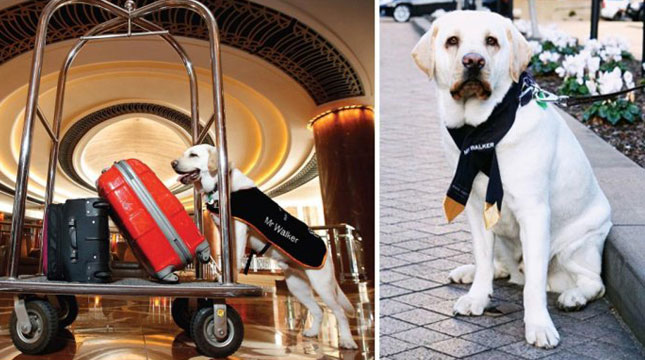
pixel 103 274
pixel 72 236
pixel 102 205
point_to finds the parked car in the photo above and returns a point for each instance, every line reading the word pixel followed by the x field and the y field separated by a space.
pixel 636 10
pixel 403 10
pixel 613 9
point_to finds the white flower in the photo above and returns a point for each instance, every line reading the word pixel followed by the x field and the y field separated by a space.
pixel 561 72
pixel 629 79
pixel 610 53
pixel 549 56
pixel 593 46
pixel 536 47
pixel 615 42
pixel 593 64
pixel 592 86
pixel 580 80
pixel 574 65
pixel 609 82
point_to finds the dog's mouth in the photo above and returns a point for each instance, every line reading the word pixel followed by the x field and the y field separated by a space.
pixel 188 177
pixel 472 87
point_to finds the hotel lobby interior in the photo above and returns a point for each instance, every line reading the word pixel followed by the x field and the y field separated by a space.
pixel 298 83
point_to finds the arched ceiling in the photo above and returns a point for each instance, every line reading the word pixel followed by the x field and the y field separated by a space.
pixel 275 37
pixel 282 66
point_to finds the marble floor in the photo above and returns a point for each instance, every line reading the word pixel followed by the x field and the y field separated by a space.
pixel 142 328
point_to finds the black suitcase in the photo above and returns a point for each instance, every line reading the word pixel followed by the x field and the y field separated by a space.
pixel 78 241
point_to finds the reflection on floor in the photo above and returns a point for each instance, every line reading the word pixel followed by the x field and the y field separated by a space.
pixel 133 329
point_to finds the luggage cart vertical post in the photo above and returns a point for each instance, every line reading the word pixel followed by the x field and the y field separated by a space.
pixel 22 176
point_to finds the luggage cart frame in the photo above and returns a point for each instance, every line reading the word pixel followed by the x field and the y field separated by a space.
pixel 215 318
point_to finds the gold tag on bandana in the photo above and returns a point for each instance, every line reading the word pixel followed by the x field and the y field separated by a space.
pixel 491 215
pixel 451 208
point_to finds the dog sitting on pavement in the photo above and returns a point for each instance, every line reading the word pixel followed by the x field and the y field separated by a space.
pixel 536 211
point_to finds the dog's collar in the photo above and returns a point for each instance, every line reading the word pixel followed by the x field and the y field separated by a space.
pixel 210 196
pixel 477 153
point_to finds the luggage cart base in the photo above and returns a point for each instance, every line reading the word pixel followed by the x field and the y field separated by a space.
pixel 30 284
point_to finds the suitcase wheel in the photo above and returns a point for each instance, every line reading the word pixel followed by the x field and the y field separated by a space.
pixel 181 313
pixel 170 278
pixel 205 256
pixel 202 327
pixel 43 317
pixel 68 310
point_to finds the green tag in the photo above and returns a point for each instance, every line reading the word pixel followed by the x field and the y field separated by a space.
pixel 539 96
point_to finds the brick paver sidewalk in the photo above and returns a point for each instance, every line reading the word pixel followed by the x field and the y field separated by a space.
pixel 418 248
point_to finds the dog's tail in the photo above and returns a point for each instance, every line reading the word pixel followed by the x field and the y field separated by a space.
pixel 344 301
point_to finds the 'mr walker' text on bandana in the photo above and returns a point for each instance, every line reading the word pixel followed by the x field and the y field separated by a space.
pixel 477 145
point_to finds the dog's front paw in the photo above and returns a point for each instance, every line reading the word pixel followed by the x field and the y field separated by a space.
pixel 572 300
pixel 463 274
pixel 348 343
pixel 471 305
pixel 543 335
pixel 311 332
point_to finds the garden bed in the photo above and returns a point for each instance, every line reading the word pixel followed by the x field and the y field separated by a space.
pixel 563 65
pixel 629 139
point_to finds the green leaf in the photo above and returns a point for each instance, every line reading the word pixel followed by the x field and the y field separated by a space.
pixel 634 109
pixel 602 112
pixel 613 117
pixel 628 116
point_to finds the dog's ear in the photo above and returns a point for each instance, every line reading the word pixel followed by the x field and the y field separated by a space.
pixel 520 51
pixel 212 160
pixel 423 52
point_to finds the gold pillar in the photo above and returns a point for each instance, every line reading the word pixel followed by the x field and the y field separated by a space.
pixel 344 141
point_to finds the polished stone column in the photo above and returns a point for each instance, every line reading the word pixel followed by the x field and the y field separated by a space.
pixel 344 141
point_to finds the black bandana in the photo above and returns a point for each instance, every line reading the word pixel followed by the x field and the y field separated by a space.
pixel 287 233
pixel 477 145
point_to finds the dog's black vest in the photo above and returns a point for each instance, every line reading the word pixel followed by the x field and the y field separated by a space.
pixel 290 235
pixel 477 146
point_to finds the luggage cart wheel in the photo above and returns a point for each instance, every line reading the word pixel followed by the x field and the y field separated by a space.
pixel 68 310
pixel 202 331
pixel 181 313
pixel 43 317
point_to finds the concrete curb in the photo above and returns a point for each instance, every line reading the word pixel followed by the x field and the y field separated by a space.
pixel 623 181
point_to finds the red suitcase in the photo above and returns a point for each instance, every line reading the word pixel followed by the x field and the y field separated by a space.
pixel 160 231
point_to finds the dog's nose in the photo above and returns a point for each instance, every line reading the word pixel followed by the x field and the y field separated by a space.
pixel 174 163
pixel 473 61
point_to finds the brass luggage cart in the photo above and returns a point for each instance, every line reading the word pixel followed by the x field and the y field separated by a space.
pixel 42 306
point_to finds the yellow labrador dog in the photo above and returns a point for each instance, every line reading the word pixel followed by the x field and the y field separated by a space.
pixel 554 216
pixel 198 166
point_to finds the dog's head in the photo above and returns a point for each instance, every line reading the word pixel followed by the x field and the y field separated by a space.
pixel 196 162
pixel 469 53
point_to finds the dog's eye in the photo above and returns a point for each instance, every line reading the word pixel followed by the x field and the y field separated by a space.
pixel 491 41
pixel 452 41
pixel 192 155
